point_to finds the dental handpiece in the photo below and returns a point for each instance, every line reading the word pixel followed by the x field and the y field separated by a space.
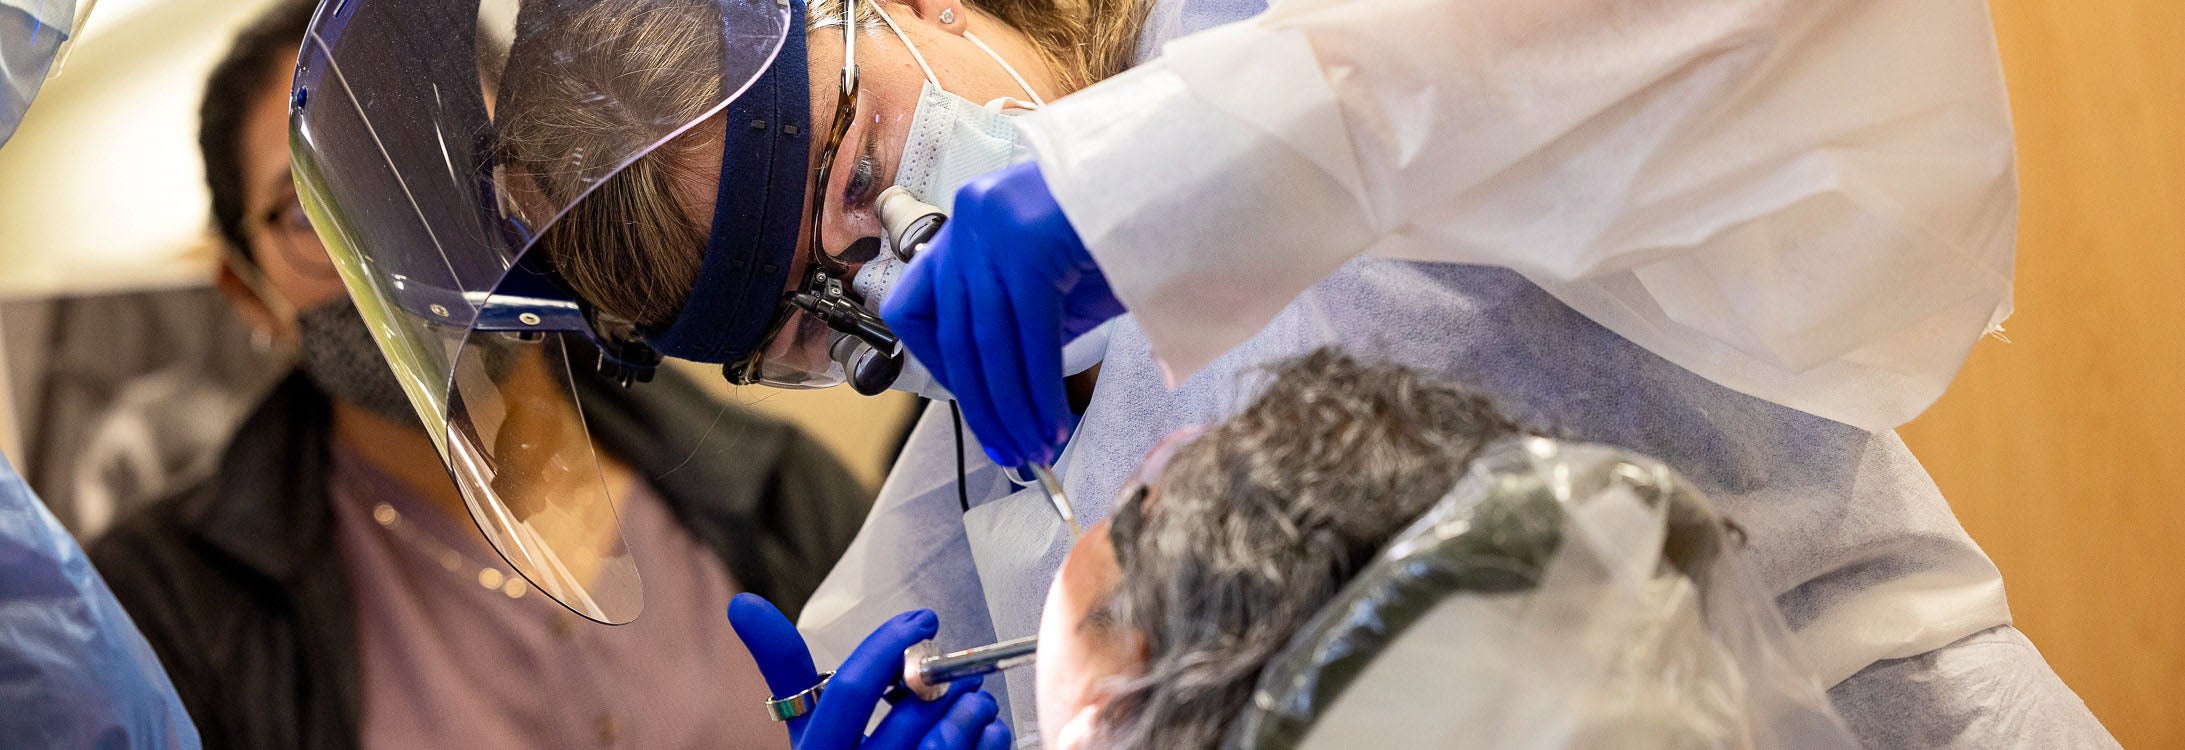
pixel 928 672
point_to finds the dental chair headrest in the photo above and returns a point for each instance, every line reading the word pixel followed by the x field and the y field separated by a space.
pixel 1489 546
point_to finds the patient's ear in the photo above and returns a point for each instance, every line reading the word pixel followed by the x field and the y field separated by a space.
pixel 1077 734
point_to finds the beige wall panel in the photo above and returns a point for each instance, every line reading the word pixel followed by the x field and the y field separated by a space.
pixel 2061 449
pixel 861 430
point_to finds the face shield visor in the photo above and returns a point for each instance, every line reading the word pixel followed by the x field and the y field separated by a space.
pixel 435 141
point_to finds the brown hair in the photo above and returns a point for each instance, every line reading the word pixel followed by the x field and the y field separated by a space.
pixel 648 67
pixel 634 246
pixel 1110 41
pixel 1082 41
pixel 1260 521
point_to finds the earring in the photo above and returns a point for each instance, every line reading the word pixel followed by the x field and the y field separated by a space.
pixel 948 16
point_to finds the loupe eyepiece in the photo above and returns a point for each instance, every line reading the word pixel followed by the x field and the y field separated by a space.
pixel 870 355
pixel 910 222
pixel 870 371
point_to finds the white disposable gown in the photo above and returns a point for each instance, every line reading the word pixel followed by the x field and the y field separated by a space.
pixel 74 670
pixel 1747 237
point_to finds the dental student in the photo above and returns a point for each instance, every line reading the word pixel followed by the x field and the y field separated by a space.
pixel 1747 237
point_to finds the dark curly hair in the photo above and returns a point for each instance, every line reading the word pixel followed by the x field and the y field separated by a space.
pixel 1257 523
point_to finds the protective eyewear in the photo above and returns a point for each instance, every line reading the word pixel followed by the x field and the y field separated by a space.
pixel 291 234
pixel 860 349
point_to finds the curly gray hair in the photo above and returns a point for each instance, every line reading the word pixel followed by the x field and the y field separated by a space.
pixel 1257 523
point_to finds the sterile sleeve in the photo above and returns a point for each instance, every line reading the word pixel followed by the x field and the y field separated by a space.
pixel 1808 201
pixel 74 670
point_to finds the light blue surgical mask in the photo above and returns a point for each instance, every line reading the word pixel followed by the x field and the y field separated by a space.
pixel 953 140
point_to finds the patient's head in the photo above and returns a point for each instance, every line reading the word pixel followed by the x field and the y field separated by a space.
pixel 1160 620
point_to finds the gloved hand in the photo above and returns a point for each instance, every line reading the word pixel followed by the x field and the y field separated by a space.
pixel 963 719
pixel 989 305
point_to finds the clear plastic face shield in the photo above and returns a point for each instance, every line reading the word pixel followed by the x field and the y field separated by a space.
pixel 434 141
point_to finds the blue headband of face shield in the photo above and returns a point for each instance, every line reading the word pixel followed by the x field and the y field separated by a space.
pixel 757 210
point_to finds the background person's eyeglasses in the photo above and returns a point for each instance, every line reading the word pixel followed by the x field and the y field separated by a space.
pixel 289 230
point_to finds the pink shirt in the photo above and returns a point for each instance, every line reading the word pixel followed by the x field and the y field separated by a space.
pixel 450 662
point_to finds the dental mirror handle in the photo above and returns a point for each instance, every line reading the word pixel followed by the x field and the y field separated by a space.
pixel 929 673
pixel 1052 486
pixel 1043 477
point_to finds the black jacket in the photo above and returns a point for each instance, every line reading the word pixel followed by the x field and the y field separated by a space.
pixel 238 586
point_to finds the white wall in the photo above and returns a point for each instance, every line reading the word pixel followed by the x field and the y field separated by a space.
pixel 100 190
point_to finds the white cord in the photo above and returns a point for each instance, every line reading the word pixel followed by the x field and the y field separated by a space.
pixel 1006 67
pixel 890 21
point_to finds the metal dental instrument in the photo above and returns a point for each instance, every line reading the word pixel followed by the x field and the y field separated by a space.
pixel 928 673
pixel 1043 477
pixel 1053 487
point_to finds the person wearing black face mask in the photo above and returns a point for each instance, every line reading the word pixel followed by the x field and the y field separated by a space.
pixel 327 587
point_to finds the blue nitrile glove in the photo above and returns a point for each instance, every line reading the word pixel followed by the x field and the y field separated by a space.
pixel 990 303
pixel 963 719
